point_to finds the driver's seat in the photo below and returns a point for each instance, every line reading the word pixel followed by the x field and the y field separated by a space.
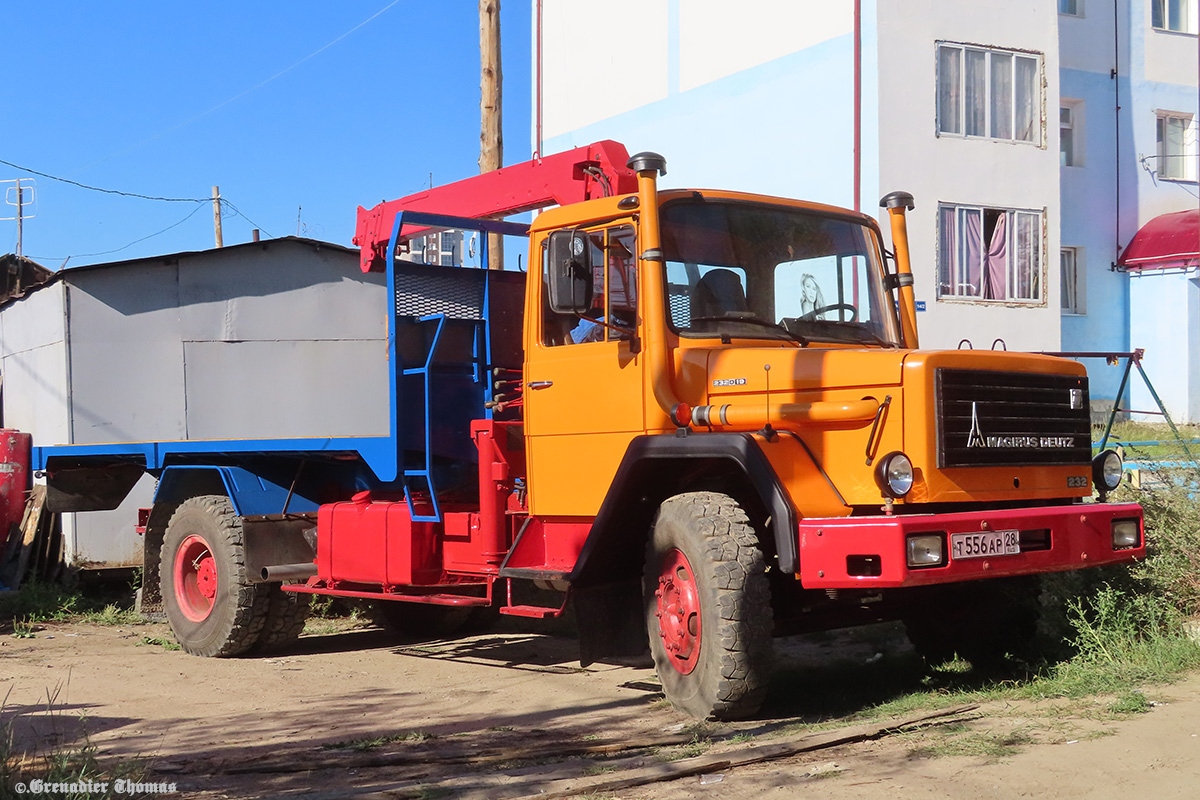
pixel 718 292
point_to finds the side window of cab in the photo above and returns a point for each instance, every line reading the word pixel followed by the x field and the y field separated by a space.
pixel 607 257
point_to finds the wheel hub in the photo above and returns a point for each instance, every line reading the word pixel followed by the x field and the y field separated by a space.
pixel 195 572
pixel 678 611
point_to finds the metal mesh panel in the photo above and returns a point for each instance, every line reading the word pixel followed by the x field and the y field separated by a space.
pixel 457 293
pixel 681 305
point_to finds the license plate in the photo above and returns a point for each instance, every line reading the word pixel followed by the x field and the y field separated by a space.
pixel 982 545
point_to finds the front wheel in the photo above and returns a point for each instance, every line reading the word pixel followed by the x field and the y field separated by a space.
pixel 211 604
pixel 708 607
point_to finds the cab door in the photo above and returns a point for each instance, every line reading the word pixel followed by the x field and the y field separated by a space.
pixel 583 380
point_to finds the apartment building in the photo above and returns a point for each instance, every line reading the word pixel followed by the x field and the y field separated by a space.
pixel 974 108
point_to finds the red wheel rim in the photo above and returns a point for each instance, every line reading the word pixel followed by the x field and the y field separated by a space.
pixel 678 611
pixel 195 578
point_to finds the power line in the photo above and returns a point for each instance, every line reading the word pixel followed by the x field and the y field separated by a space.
pixel 106 191
pixel 240 213
pixel 198 201
pixel 191 214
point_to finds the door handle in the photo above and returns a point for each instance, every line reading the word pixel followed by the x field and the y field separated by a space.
pixel 540 384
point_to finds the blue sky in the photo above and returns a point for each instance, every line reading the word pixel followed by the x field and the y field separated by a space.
pixel 170 99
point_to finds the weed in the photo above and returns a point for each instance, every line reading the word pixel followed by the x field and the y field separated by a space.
pixel 159 641
pixel 22 629
pixel 62 763
pixel 960 741
pixel 113 615
pixel 1133 702
pixel 46 602
pixel 597 769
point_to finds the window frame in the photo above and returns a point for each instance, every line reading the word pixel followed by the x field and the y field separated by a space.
pixel 1073 302
pixel 1162 10
pixel 1075 125
pixel 959 97
pixel 1036 271
pixel 1078 5
pixel 602 330
pixel 1164 162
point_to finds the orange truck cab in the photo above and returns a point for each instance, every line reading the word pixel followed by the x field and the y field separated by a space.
pixel 731 384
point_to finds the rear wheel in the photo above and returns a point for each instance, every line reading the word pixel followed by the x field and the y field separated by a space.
pixel 211 604
pixel 285 617
pixel 708 607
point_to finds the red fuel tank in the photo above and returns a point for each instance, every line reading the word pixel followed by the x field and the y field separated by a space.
pixel 376 543
pixel 14 477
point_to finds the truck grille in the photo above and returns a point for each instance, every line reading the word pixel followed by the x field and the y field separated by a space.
pixel 1011 418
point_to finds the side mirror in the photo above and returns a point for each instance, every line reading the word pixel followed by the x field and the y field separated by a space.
pixel 569 273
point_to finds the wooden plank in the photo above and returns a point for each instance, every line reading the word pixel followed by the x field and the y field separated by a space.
pixel 457 755
pixel 29 530
pixel 713 763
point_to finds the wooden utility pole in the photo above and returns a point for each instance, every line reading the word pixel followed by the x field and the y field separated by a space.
pixel 491 140
pixel 217 214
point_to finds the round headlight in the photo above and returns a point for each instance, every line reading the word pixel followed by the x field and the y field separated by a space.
pixel 894 474
pixel 1107 470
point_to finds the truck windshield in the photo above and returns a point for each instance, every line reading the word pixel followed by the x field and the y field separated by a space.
pixel 749 270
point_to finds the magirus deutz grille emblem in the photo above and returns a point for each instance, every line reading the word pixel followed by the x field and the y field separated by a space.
pixel 976 438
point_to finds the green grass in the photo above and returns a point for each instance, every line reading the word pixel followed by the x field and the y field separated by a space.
pixel 59 761
pixel 962 740
pixel 1124 432
pixel 159 641
pixel 46 602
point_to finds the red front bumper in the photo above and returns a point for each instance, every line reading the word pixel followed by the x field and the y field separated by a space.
pixel 865 552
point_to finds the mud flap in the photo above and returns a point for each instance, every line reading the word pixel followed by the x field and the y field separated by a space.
pixel 90 488
pixel 610 621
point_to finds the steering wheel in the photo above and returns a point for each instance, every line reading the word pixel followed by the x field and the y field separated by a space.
pixel 812 315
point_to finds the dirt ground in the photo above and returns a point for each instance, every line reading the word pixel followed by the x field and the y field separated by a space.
pixel 511 714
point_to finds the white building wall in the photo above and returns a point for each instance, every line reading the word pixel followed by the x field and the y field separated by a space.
pixel 971 171
pixel 33 362
pixel 755 96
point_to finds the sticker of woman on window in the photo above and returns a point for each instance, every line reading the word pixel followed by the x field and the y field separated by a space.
pixel 810 297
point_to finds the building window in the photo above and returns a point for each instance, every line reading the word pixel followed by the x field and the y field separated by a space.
pixel 1072 8
pixel 990 254
pixel 1176 147
pixel 1073 294
pixel 1066 136
pixel 1174 15
pixel 993 94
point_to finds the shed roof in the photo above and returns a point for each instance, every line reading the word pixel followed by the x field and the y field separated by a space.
pixel 19 275
pixel 49 277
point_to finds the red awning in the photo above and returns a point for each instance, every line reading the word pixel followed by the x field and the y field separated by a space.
pixel 1165 242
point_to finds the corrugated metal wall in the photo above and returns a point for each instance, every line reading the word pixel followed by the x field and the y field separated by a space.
pixel 285 338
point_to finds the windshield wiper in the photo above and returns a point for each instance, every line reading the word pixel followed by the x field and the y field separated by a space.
pixel 867 335
pixel 795 337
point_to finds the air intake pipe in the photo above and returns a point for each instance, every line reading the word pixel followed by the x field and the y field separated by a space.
pixel 897 203
pixel 652 262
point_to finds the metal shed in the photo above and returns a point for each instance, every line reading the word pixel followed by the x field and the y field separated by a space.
pixel 276 339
